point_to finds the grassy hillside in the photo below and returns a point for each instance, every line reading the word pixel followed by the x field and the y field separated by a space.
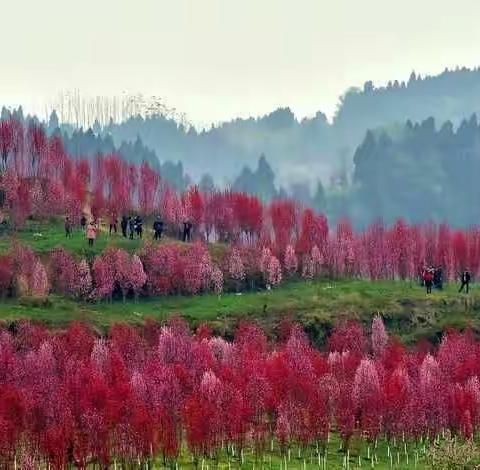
pixel 407 311
pixel 45 237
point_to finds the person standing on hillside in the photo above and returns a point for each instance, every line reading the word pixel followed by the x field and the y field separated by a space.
pixel 124 226
pixel 139 226
pixel 157 228
pixel 91 233
pixel 428 279
pixel 113 224
pixel 131 227
pixel 187 231
pixel 68 227
pixel 83 222
pixel 438 278
pixel 465 279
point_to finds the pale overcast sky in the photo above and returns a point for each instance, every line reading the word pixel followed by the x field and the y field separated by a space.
pixel 217 59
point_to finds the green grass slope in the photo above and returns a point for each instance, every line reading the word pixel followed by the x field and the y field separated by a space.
pixel 43 238
pixel 318 305
pixel 407 311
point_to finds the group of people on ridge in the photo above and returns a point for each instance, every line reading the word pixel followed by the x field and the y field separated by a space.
pixel 131 227
pixel 433 278
pixel 89 229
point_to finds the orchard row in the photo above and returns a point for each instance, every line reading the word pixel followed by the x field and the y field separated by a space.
pixel 140 395
pixel 399 252
pixel 267 242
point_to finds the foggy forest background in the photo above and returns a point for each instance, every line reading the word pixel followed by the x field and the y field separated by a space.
pixel 408 149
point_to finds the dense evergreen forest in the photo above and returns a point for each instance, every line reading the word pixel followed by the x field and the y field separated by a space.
pixel 419 172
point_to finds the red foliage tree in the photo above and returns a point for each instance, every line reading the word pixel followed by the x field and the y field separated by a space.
pixel 283 214
pixel 147 188
pixel 196 206
pixel 460 251
pixel 290 260
pixel 234 266
pixel 348 336
pixel 103 277
pixel 64 272
pixel 6 143
pixel 37 145
pixel 135 395
pixel 399 249
pixel 314 232
pixel 379 336
pixel 368 399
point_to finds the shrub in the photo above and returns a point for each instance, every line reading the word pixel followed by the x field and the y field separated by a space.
pixel 454 454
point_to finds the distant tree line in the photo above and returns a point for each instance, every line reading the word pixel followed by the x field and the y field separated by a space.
pixel 420 172
pixel 369 162
pixel 89 143
pixel 261 183
pixel 307 149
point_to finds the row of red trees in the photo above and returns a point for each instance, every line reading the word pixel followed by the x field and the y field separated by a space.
pixel 73 398
pixel 398 252
pixel 39 179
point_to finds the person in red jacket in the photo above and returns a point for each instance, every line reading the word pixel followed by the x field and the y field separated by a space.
pixel 428 279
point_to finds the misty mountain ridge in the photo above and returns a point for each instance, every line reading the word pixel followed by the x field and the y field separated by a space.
pixel 308 149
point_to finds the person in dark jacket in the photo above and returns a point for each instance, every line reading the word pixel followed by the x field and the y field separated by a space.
pixel 157 229
pixel 465 279
pixel 68 227
pixel 131 227
pixel 124 226
pixel 139 226
pixel 187 231
pixel 113 224
pixel 438 278
pixel 83 223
